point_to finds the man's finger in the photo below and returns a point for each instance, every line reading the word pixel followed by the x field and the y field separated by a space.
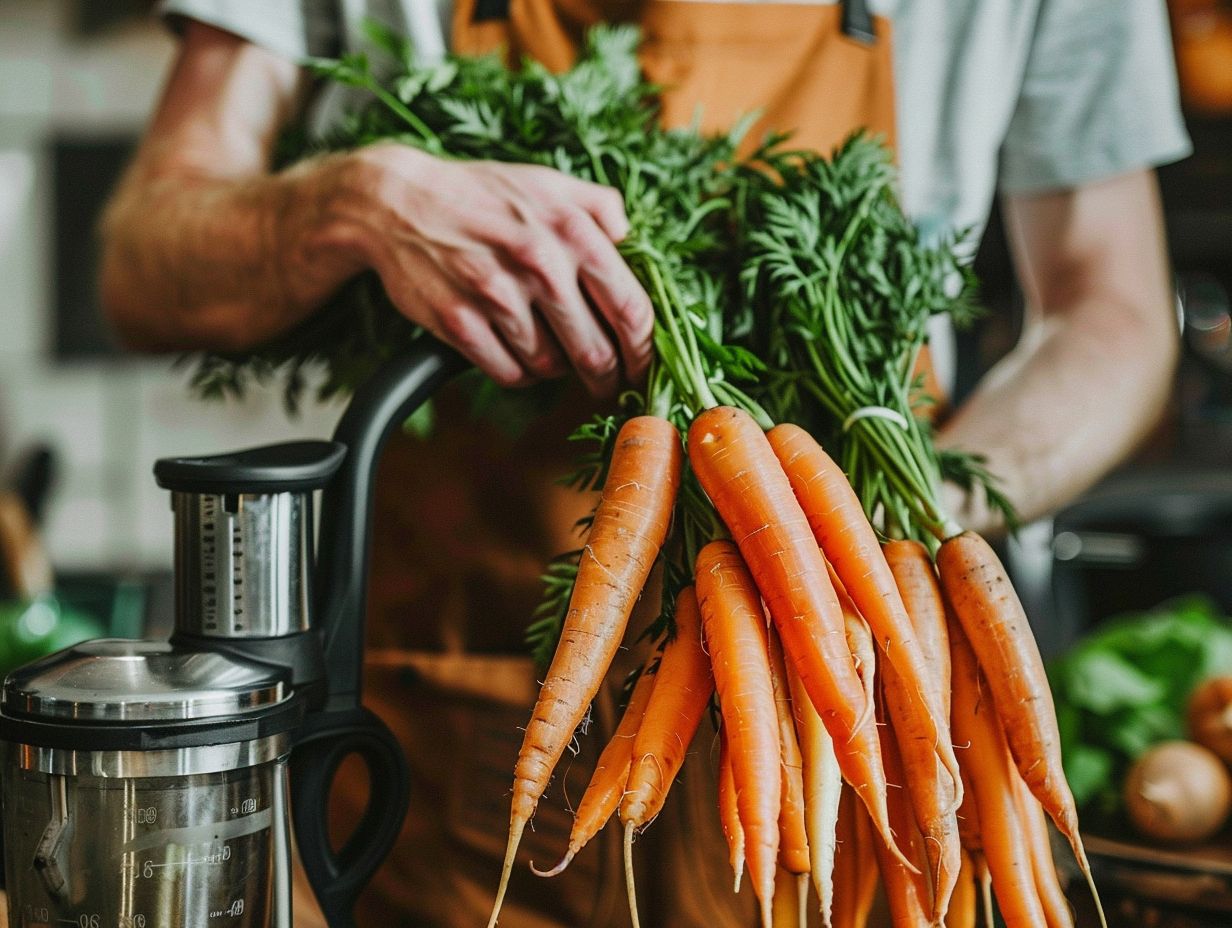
pixel 531 341
pixel 615 292
pixel 467 330
pixel 546 267
pixel 605 205
pixel 588 348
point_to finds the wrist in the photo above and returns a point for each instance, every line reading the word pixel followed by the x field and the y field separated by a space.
pixel 325 229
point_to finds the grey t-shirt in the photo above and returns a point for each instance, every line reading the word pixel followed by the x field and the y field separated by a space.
pixel 1016 95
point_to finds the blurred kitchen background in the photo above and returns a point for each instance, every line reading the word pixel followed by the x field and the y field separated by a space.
pixel 81 423
pixel 1161 526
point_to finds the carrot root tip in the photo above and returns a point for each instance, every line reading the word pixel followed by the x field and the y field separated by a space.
pixel 767 913
pixel 1085 866
pixel 802 888
pixel 516 827
pixel 630 888
pixel 555 871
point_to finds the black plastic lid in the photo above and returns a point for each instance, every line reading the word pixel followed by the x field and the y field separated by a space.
pixel 289 467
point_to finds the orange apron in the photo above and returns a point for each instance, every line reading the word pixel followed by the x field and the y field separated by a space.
pixel 466 522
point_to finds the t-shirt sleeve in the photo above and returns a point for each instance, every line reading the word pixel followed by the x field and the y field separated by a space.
pixel 295 29
pixel 1098 97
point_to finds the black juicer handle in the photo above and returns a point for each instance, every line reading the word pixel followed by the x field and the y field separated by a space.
pixel 343 727
pixel 328 738
pixel 379 407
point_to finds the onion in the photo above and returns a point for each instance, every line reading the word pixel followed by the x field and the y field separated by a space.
pixel 1178 791
pixel 1210 716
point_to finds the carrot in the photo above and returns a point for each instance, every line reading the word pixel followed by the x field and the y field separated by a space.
pixel 735 631
pixel 1047 883
pixel 823 785
pixel 680 695
pixel 984 878
pixel 607 783
pixel 906 893
pixel 980 593
pixel 677 702
pixel 859 641
pixel 793 841
pixel 790 908
pixel 930 787
pixel 629 527
pixel 855 864
pixel 794 854
pixel 736 466
pixel 729 814
pixel 842 912
pixel 969 817
pixel 963 903
pixel 916 578
pixel 840 526
pixel 990 771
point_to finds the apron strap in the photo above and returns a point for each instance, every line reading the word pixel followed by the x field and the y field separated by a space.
pixel 490 10
pixel 858 21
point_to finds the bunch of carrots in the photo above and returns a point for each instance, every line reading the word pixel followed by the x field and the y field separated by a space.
pixel 846 672
pixel 884 709
pixel 883 706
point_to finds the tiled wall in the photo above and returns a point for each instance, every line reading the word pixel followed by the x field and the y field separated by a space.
pixel 107 420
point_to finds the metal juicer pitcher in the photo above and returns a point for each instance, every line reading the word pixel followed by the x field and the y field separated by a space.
pixel 153 784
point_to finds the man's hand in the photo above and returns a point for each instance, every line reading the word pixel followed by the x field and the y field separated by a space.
pixel 203 247
pixel 513 265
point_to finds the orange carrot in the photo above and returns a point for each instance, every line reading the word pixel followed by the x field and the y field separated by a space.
pixel 964 902
pixel 840 526
pixel 855 864
pixel 916 579
pixel 736 466
pixel 794 854
pixel 793 841
pixel 823 785
pixel 969 816
pixel 983 599
pixel 735 630
pixel 842 911
pixel 867 839
pixel 630 525
pixel 930 786
pixel 990 771
pixel 677 702
pixel 984 878
pixel 859 641
pixel 906 893
pixel 973 849
pixel 1047 883
pixel 790 908
pixel 607 783
pixel 680 695
pixel 729 813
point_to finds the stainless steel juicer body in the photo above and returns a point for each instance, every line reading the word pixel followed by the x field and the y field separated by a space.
pixel 151 783
pixel 185 835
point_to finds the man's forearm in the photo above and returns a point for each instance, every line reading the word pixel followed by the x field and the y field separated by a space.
pixel 1064 407
pixel 191 260
pixel 1094 366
